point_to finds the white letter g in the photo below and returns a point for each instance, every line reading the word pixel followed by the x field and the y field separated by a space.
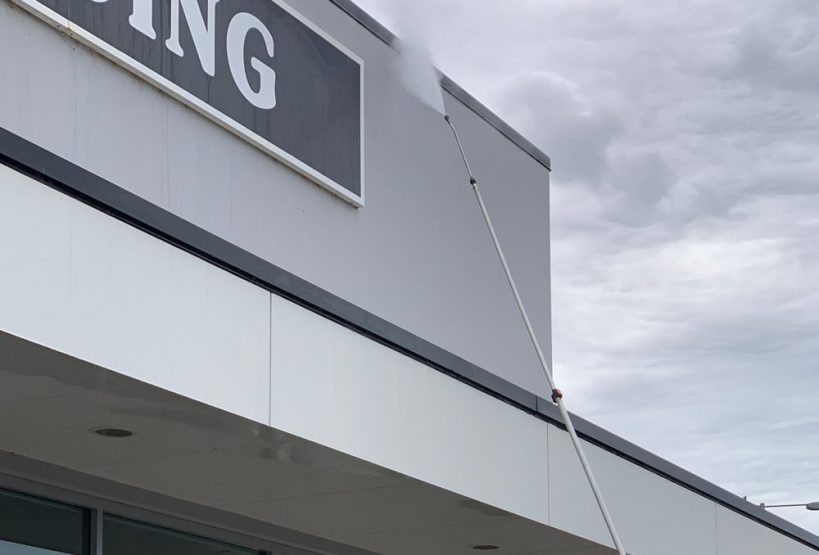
pixel 237 31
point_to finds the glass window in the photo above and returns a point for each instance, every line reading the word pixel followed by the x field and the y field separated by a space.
pixel 33 526
pixel 127 537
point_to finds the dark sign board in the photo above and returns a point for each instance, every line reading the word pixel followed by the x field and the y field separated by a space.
pixel 256 67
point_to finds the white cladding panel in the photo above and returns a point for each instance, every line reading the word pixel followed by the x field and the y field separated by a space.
pixel 737 535
pixel 80 282
pixel 653 516
pixel 338 388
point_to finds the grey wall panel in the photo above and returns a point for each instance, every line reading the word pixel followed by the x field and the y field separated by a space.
pixel 417 255
pixel 653 516
pixel 740 536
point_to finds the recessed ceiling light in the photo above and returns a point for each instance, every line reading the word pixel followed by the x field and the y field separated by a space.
pixel 111 432
pixel 485 547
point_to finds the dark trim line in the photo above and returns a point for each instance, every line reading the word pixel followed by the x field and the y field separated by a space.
pixel 94 531
pixel 377 29
pixel 99 193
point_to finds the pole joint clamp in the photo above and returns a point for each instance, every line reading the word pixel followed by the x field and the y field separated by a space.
pixel 556 394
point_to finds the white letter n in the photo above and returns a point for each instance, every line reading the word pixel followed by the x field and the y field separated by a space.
pixel 204 34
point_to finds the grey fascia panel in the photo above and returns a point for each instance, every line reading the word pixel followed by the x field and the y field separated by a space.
pixel 653 463
pixel 377 29
pixel 107 197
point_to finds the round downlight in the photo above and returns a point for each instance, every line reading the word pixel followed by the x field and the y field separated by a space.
pixel 116 433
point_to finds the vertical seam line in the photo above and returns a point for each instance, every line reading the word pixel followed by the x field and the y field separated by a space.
pixel 270 359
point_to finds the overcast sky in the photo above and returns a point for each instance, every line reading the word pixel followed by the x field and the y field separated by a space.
pixel 684 136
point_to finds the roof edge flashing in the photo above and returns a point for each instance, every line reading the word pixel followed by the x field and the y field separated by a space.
pixel 458 92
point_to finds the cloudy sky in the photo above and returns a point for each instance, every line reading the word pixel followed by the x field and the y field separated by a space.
pixel 684 136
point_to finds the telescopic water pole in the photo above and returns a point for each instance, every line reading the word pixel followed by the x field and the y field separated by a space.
pixel 557 395
pixel 809 506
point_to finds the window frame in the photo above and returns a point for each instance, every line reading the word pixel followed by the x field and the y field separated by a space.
pixel 137 510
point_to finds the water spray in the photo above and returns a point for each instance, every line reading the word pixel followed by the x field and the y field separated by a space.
pixel 557 394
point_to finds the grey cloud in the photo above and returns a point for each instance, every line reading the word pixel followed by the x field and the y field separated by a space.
pixel 551 114
pixel 780 58
pixel 579 136
pixel 638 183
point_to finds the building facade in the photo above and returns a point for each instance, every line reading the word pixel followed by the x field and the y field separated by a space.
pixel 248 304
